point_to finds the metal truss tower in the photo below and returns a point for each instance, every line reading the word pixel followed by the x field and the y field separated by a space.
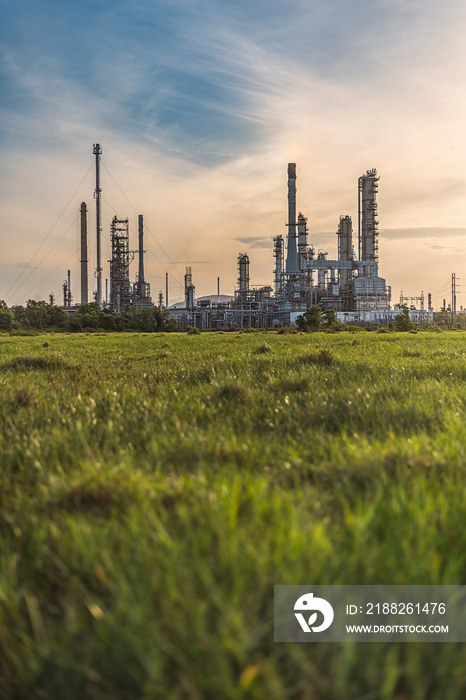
pixel 120 287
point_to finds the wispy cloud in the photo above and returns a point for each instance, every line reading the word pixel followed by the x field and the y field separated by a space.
pixel 423 233
pixel 255 241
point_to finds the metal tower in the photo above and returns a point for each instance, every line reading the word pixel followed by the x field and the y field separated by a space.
pixel 97 151
pixel 120 288
pixel 367 224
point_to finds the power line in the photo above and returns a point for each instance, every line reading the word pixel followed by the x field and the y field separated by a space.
pixel 445 286
pixel 48 234
pixel 146 228
pixel 50 251
pixel 57 268
pixel 46 255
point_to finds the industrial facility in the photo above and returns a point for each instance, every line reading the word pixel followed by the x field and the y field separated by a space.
pixel 349 282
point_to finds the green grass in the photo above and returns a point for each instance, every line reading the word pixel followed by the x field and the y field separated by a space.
pixel 154 488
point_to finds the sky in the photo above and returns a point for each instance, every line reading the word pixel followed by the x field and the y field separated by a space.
pixel 200 105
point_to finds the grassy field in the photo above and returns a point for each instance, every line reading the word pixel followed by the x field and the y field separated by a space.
pixel 154 488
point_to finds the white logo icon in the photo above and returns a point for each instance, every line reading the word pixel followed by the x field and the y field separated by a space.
pixel 308 603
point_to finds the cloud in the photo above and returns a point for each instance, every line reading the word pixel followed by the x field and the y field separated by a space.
pixel 255 241
pixel 422 233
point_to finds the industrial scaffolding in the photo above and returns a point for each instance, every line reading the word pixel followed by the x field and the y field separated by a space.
pixel 120 287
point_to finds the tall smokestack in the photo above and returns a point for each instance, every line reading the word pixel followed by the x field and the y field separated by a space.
pixel 166 290
pixel 84 261
pixel 97 151
pixel 141 249
pixel 292 262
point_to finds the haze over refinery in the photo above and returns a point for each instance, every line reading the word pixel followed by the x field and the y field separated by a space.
pixel 199 107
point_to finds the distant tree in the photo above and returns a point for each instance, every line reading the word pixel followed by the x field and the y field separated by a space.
pixel 311 320
pixel 123 321
pixel 55 317
pixel 91 308
pixel 152 319
pixel 330 318
pixel 402 320
pixel 3 304
pixel 107 320
pixel 19 313
pixel 36 313
pixel 6 319
pixel 74 323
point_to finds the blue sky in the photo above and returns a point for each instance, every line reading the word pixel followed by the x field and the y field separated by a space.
pixel 199 106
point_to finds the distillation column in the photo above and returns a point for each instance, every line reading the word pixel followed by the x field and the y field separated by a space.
pixel 345 246
pixel 279 255
pixel 292 262
pixel 243 274
pixel 367 225
pixel 302 237
pixel 189 289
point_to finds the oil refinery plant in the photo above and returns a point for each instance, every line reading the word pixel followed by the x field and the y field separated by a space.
pixel 348 283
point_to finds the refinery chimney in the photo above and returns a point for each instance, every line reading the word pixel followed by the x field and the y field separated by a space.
pixel 84 260
pixel 141 249
pixel 292 263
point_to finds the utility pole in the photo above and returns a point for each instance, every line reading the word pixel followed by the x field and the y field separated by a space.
pixel 97 151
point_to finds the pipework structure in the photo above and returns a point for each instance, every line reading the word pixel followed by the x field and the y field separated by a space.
pixel 120 287
pixel 97 151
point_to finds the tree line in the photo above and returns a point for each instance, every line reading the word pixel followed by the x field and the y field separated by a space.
pixel 38 315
